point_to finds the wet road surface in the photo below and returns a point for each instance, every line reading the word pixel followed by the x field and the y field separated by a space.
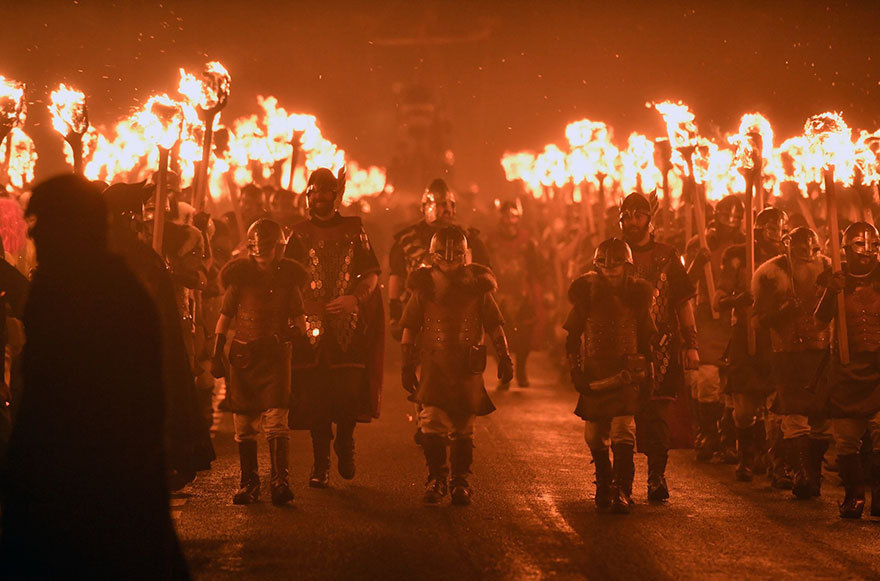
pixel 532 515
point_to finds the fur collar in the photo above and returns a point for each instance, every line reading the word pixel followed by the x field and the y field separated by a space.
pixel 590 288
pixel 243 271
pixel 475 279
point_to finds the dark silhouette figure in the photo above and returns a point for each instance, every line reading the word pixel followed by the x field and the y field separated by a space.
pixel 187 439
pixel 83 483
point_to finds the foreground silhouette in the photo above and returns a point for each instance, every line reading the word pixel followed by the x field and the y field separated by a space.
pixel 83 485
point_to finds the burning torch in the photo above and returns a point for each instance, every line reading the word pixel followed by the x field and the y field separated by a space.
pixel 70 118
pixel 209 94
pixel 829 138
pixel 749 160
pixel 162 120
pixel 682 133
pixel 12 112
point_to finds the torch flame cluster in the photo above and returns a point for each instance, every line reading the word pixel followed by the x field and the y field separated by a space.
pixel 257 148
pixel 717 165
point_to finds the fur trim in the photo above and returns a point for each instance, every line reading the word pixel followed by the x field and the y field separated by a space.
pixel 586 289
pixel 477 279
pixel 772 277
pixel 244 271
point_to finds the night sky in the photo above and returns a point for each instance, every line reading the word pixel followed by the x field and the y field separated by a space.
pixel 528 70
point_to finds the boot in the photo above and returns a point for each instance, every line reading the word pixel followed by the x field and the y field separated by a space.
pixel 780 464
pixel 875 485
pixel 760 460
pixel 802 465
pixel 279 452
pixel 728 452
pixel 603 478
pixel 624 470
pixel 344 448
pixel 249 491
pixel 462 457
pixel 320 477
pixel 522 378
pixel 434 446
pixel 814 469
pixel 745 439
pixel 708 441
pixel 658 490
pixel 854 484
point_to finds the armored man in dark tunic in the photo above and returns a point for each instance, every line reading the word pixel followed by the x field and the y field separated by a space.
pixel 451 306
pixel 263 300
pixel 660 266
pixel 786 294
pixel 854 387
pixel 609 346
pixel 337 370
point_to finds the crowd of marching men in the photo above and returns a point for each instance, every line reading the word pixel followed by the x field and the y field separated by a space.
pixel 757 349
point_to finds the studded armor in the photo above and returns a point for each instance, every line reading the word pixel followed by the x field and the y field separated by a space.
pixel 335 254
pixel 863 318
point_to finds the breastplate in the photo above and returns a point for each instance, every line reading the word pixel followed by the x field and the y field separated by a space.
pixel 254 317
pixel 452 324
pixel 611 331
pixel 863 318
pixel 330 276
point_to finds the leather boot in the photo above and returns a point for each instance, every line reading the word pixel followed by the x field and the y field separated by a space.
pixel 320 477
pixel 708 440
pixel 461 460
pixel 745 439
pixel 624 471
pixel 854 484
pixel 279 452
pixel 249 491
pixel 780 462
pixel 604 475
pixel 729 454
pixel 434 447
pixel 344 448
pixel 799 449
pixel 760 457
pixel 522 378
pixel 875 485
pixel 658 490
pixel 818 448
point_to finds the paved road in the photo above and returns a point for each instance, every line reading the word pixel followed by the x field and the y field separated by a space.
pixel 532 515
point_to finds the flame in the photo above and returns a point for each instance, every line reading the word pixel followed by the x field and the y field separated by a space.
pixel 68 108
pixel 592 153
pixel 680 126
pixel 22 159
pixel 830 145
pixel 208 92
pixel 162 120
pixel 637 165
pixel 12 103
pixel 868 156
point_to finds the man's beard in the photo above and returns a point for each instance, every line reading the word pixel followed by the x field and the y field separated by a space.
pixel 321 210
pixel 634 234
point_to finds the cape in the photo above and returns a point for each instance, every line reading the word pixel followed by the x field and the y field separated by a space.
pixel 244 271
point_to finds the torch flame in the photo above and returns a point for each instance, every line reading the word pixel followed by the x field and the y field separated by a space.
pixel 162 121
pixel 680 126
pixel 68 108
pixel 208 92
pixel 12 103
pixel 830 144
